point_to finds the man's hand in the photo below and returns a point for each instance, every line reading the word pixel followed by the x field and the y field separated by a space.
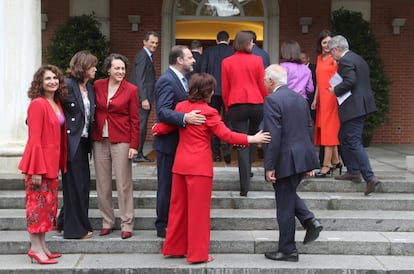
pixel 194 118
pixel 145 104
pixel 270 176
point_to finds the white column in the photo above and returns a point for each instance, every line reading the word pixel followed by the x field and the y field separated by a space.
pixel 20 54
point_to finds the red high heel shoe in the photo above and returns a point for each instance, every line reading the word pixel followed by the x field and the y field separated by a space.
pixel 33 255
pixel 54 255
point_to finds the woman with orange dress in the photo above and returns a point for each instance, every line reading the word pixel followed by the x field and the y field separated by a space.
pixel 327 120
pixel 43 157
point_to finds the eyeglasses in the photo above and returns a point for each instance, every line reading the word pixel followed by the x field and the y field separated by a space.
pixel 331 50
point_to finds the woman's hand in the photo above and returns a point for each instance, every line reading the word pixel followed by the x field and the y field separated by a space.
pixel 132 153
pixel 36 179
pixel 260 137
pixel 313 105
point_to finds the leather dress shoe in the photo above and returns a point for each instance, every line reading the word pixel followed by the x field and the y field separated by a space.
pixel 371 184
pixel 243 193
pixel 356 178
pixel 313 228
pixel 161 233
pixel 226 153
pixel 126 234
pixel 141 159
pixel 279 256
pixel 105 231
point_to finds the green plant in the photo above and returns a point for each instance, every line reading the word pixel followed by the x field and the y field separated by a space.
pixel 361 40
pixel 79 33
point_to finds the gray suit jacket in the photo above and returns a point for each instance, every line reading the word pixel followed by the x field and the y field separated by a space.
pixel 143 76
pixel 287 118
pixel 355 78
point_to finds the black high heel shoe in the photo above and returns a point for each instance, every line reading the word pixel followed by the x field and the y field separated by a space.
pixel 337 166
pixel 323 175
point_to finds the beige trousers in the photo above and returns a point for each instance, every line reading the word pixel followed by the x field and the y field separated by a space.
pixel 107 155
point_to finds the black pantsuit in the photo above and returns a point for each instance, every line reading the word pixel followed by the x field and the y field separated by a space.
pixel 76 185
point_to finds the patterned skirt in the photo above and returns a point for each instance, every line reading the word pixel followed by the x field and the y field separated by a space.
pixel 41 205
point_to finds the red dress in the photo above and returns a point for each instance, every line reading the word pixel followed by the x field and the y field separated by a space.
pixel 327 120
pixel 44 154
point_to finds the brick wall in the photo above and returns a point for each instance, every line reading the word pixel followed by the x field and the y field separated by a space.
pixel 395 50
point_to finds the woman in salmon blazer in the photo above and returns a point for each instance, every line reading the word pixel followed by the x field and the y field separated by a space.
pixel 43 157
pixel 116 139
pixel 188 230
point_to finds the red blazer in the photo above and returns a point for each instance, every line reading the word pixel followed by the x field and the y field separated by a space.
pixel 45 151
pixel 242 79
pixel 193 155
pixel 121 113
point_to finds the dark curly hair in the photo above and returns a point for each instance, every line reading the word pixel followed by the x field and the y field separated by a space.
pixel 114 56
pixel 80 63
pixel 36 87
pixel 200 87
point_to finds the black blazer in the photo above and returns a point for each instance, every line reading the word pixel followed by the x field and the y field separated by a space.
pixel 287 118
pixel 168 93
pixel 211 62
pixel 143 76
pixel 355 78
pixel 74 111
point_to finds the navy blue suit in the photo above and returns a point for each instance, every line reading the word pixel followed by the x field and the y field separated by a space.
pixel 211 63
pixel 291 154
pixel 73 217
pixel 352 112
pixel 260 52
pixel 168 92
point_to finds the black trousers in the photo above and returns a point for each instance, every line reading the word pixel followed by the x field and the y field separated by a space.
pixel 245 118
pixel 143 121
pixel 73 217
pixel 217 103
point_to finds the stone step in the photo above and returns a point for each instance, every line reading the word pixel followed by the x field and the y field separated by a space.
pixel 10 199
pixel 223 263
pixel 225 241
pixel 252 219
pixel 231 183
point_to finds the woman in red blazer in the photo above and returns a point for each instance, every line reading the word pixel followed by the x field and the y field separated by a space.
pixel 188 231
pixel 43 157
pixel 116 136
pixel 243 94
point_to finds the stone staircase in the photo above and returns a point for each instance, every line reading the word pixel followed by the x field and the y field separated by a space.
pixel 361 234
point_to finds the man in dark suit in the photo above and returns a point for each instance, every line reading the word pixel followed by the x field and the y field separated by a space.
pixel 143 76
pixel 171 89
pixel 260 52
pixel 288 158
pixel 197 51
pixel 211 63
pixel 353 111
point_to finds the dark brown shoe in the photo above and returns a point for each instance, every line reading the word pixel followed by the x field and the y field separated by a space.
pixel 371 185
pixel 356 178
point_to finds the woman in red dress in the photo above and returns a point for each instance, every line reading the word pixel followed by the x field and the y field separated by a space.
pixel 188 231
pixel 43 157
pixel 327 119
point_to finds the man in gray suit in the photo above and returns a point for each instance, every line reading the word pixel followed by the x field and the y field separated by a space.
pixel 143 76
pixel 353 111
pixel 288 158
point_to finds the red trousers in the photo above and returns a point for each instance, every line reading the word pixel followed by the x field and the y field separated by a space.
pixel 188 230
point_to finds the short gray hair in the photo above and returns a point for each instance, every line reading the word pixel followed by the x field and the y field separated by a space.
pixel 277 74
pixel 339 42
